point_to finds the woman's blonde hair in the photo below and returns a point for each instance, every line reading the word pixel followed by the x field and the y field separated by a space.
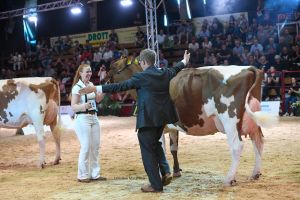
pixel 77 76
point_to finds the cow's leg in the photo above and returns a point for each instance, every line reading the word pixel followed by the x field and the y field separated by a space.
pixel 174 149
pixel 56 137
pixel 236 147
pixel 37 120
pixel 258 153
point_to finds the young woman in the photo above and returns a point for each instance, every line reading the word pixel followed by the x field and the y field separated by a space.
pixel 87 126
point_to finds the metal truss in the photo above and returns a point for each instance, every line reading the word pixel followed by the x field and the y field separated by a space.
pixel 39 8
pixel 151 26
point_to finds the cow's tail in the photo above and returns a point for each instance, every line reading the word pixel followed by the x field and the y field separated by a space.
pixel 261 118
pixel 58 129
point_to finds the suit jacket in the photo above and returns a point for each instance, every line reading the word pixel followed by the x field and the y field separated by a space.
pixel 155 107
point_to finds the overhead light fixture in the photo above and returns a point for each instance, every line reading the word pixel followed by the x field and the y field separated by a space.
pixel 126 3
pixel 76 10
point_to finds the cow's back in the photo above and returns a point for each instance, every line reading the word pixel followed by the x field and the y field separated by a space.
pixel 210 92
pixel 24 99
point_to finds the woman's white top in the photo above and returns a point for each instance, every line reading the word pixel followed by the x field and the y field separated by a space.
pixel 90 97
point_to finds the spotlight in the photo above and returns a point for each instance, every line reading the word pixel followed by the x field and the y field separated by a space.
pixel 76 10
pixel 126 3
pixel 32 19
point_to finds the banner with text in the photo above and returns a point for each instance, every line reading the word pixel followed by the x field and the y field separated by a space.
pixel 126 35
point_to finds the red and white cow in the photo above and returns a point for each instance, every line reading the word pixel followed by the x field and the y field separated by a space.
pixel 223 99
pixel 32 101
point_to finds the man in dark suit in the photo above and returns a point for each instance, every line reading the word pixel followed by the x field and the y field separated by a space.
pixel 155 110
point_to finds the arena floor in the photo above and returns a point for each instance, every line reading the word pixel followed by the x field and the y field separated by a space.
pixel 204 160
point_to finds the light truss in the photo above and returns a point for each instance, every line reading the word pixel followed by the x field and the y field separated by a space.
pixel 151 26
pixel 39 8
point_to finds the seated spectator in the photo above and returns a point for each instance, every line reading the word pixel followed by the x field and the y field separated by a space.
pixel 206 44
pixel 139 37
pixel 264 64
pixel 124 51
pixel 113 38
pixel 251 61
pixel 97 58
pixel 184 31
pixel 162 61
pixel 138 21
pixel 295 57
pixel 285 58
pixel 3 73
pixel 168 45
pixel 161 38
pixel 237 53
pixel 224 53
pixel 107 57
pixel 102 74
pixel 278 64
pixel 256 46
pixel 217 28
pixel 231 25
pixel 203 33
pixel 271 49
pixel 293 93
pixel 287 37
pixel 193 48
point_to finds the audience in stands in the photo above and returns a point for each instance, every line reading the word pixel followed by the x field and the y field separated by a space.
pixel 214 43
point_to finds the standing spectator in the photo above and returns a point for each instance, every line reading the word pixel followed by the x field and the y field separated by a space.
pixel 87 126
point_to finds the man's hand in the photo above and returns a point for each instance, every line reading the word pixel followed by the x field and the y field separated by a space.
pixel 186 56
pixel 87 89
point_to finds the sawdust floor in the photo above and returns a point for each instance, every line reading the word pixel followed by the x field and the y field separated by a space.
pixel 204 160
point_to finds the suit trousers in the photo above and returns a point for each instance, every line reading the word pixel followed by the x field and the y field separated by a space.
pixel 153 155
pixel 87 129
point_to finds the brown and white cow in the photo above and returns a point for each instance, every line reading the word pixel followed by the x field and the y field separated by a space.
pixel 31 101
pixel 223 99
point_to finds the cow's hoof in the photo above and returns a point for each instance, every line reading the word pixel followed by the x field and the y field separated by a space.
pixel 256 176
pixel 56 161
pixel 42 165
pixel 230 183
pixel 177 174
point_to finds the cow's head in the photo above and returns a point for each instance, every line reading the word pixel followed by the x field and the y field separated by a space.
pixel 120 70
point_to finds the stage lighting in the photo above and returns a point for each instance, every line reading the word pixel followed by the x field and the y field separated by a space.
pixel 32 19
pixel 126 3
pixel 76 10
